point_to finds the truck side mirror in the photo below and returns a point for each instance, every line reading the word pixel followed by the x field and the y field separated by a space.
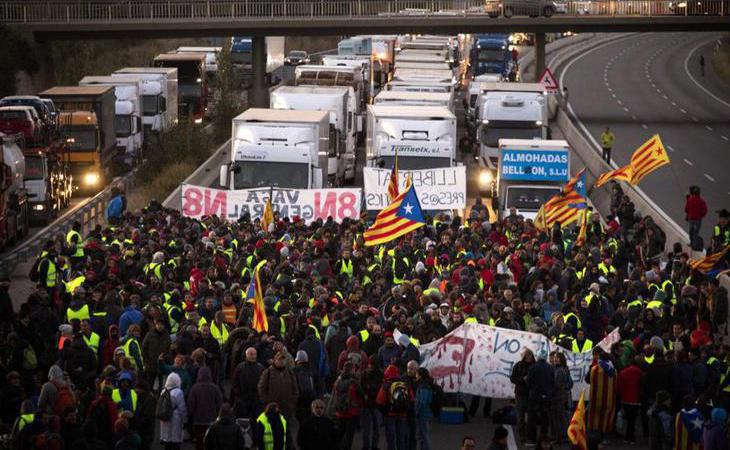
pixel 223 175
pixel 163 104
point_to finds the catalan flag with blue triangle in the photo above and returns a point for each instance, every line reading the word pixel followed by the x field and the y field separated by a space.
pixel 688 427
pixel 402 216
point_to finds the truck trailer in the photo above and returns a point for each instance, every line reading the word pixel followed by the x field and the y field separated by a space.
pixel 159 95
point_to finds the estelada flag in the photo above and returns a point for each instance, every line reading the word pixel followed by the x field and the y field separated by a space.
pixel 581 240
pixel 621 174
pixel 688 426
pixel 393 179
pixel 707 263
pixel 401 217
pixel 577 428
pixel 602 399
pixel 268 217
pixel 254 294
pixel 650 156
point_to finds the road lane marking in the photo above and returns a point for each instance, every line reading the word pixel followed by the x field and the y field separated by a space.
pixel 694 80
pixel 674 103
pixel 665 97
pixel 709 128
pixel 725 138
pixel 618 101
pixel 626 109
pixel 688 162
pixel 670 148
pixel 695 119
pixel 613 95
pixel 643 125
pixel 683 110
pixel 709 178
pixel 633 116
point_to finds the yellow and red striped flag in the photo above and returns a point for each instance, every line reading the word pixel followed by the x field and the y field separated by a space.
pixel 268 217
pixel 622 173
pixel 577 428
pixel 581 239
pixel 255 295
pixel 650 156
pixel 393 180
pixel 401 217
pixel 564 208
pixel 708 263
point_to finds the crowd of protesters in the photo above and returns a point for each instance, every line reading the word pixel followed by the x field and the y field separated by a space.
pixel 141 331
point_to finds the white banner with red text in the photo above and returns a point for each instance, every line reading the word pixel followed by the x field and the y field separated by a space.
pixel 478 359
pixel 307 204
pixel 440 189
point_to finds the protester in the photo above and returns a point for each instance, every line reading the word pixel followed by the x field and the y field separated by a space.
pixel 171 429
pixel 424 407
pixel 204 402
pixel 225 433
pixel 270 432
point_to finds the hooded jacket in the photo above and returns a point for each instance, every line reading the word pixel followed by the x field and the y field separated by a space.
pixel 391 375
pixel 49 391
pixel 204 399
pixel 153 345
pixel 280 386
pixel 353 347
pixel 110 344
pixel 172 430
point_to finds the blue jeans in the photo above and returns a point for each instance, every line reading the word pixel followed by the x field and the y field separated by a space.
pixel 370 427
pixel 424 433
pixel 396 432
pixel 694 231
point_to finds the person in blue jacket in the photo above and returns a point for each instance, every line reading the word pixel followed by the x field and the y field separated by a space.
pixel 424 413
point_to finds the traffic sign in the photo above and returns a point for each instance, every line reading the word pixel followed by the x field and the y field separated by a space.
pixel 548 80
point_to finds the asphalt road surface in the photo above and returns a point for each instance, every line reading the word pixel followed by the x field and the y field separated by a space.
pixel 651 83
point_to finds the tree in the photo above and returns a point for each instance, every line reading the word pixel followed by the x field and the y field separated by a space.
pixel 16 53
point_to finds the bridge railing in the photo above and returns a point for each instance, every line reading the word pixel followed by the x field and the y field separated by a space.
pixel 107 11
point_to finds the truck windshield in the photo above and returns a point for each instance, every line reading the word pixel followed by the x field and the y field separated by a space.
pixel 490 55
pixel 416 163
pixel 33 168
pixel 81 139
pixel 278 174
pixel 123 125
pixel 526 198
pixel 490 135
pixel 150 105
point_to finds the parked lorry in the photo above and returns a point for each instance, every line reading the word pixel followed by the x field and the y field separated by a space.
pixel 159 96
pixel 280 148
pixel 423 137
pixel 409 98
pixel 529 173
pixel 509 111
pixel 420 86
pixel 343 133
pixel 491 54
pixel 192 83
pixel 373 70
pixel 14 213
pixel 48 180
pixel 86 123
pixel 128 114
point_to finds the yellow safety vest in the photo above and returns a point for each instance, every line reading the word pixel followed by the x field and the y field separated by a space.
pixel 128 353
pixel 79 253
pixel 397 280
pixel 655 304
pixel 80 314
pixel 156 268
pixel 414 341
pixel 668 285
pixel 606 269
pixel 174 325
pixel 717 233
pixel 117 398
pixel 364 335
pixel 73 284
pixel 589 298
pixel 268 434
pixel 51 274
pixel 470 320
pixel 587 346
pixel 347 268
pixel 580 273
pixel 220 335
pixel 92 341
pixel 577 319
pixel 24 420
pixel 649 359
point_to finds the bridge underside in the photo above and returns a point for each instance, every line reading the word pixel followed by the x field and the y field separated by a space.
pixel 306 26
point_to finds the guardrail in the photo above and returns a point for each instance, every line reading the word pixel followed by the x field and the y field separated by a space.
pixel 67 11
pixel 89 213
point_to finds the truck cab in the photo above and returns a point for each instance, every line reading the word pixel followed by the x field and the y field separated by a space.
pixel 530 172
pixel 14 214
pixel 159 95
pixel 491 54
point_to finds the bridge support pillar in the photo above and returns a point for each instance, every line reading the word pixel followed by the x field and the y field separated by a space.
pixel 258 95
pixel 539 55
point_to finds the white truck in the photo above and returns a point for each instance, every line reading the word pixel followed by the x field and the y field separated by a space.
pixel 529 173
pixel 509 111
pixel 159 95
pixel 409 98
pixel 422 56
pixel 127 114
pixel 423 137
pixel 373 70
pixel 343 133
pixel 420 75
pixel 279 148
pixel 419 86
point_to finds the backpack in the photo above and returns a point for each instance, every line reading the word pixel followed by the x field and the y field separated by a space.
pixel 437 399
pixel 64 399
pixel 343 403
pixel 399 397
pixel 164 408
pixel 30 360
pixel 33 274
pixel 306 384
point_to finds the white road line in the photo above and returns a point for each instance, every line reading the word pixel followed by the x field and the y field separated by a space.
pixel 665 97
pixel 643 125
pixel 626 109
pixel 694 80
pixel 688 162
pixel 633 116
pixel 618 101
pixel 674 103
pixel 725 138
pixel 670 148
pixel 709 128
pixel 683 110
pixel 695 119
pixel 709 178
pixel 613 95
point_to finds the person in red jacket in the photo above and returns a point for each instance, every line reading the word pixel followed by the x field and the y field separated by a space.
pixel 629 392
pixel 395 398
pixel 695 209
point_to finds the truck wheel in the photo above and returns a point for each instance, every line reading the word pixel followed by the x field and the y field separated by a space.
pixel 508 12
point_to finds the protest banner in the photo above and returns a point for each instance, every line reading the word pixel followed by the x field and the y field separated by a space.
pixel 478 359
pixel 442 188
pixel 307 204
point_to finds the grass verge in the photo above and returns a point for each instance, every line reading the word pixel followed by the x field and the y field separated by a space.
pixel 721 60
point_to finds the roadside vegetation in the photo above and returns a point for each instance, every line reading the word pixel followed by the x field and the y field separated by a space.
pixel 721 59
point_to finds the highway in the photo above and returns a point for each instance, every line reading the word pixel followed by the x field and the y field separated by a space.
pixel 651 83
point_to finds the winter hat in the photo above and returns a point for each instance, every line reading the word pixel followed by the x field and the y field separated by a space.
pixel 284 252
pixel 403 340
pixel 420 267
pixel 302 357
pixel 657 343
pixel 391 372
pixel 719 415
